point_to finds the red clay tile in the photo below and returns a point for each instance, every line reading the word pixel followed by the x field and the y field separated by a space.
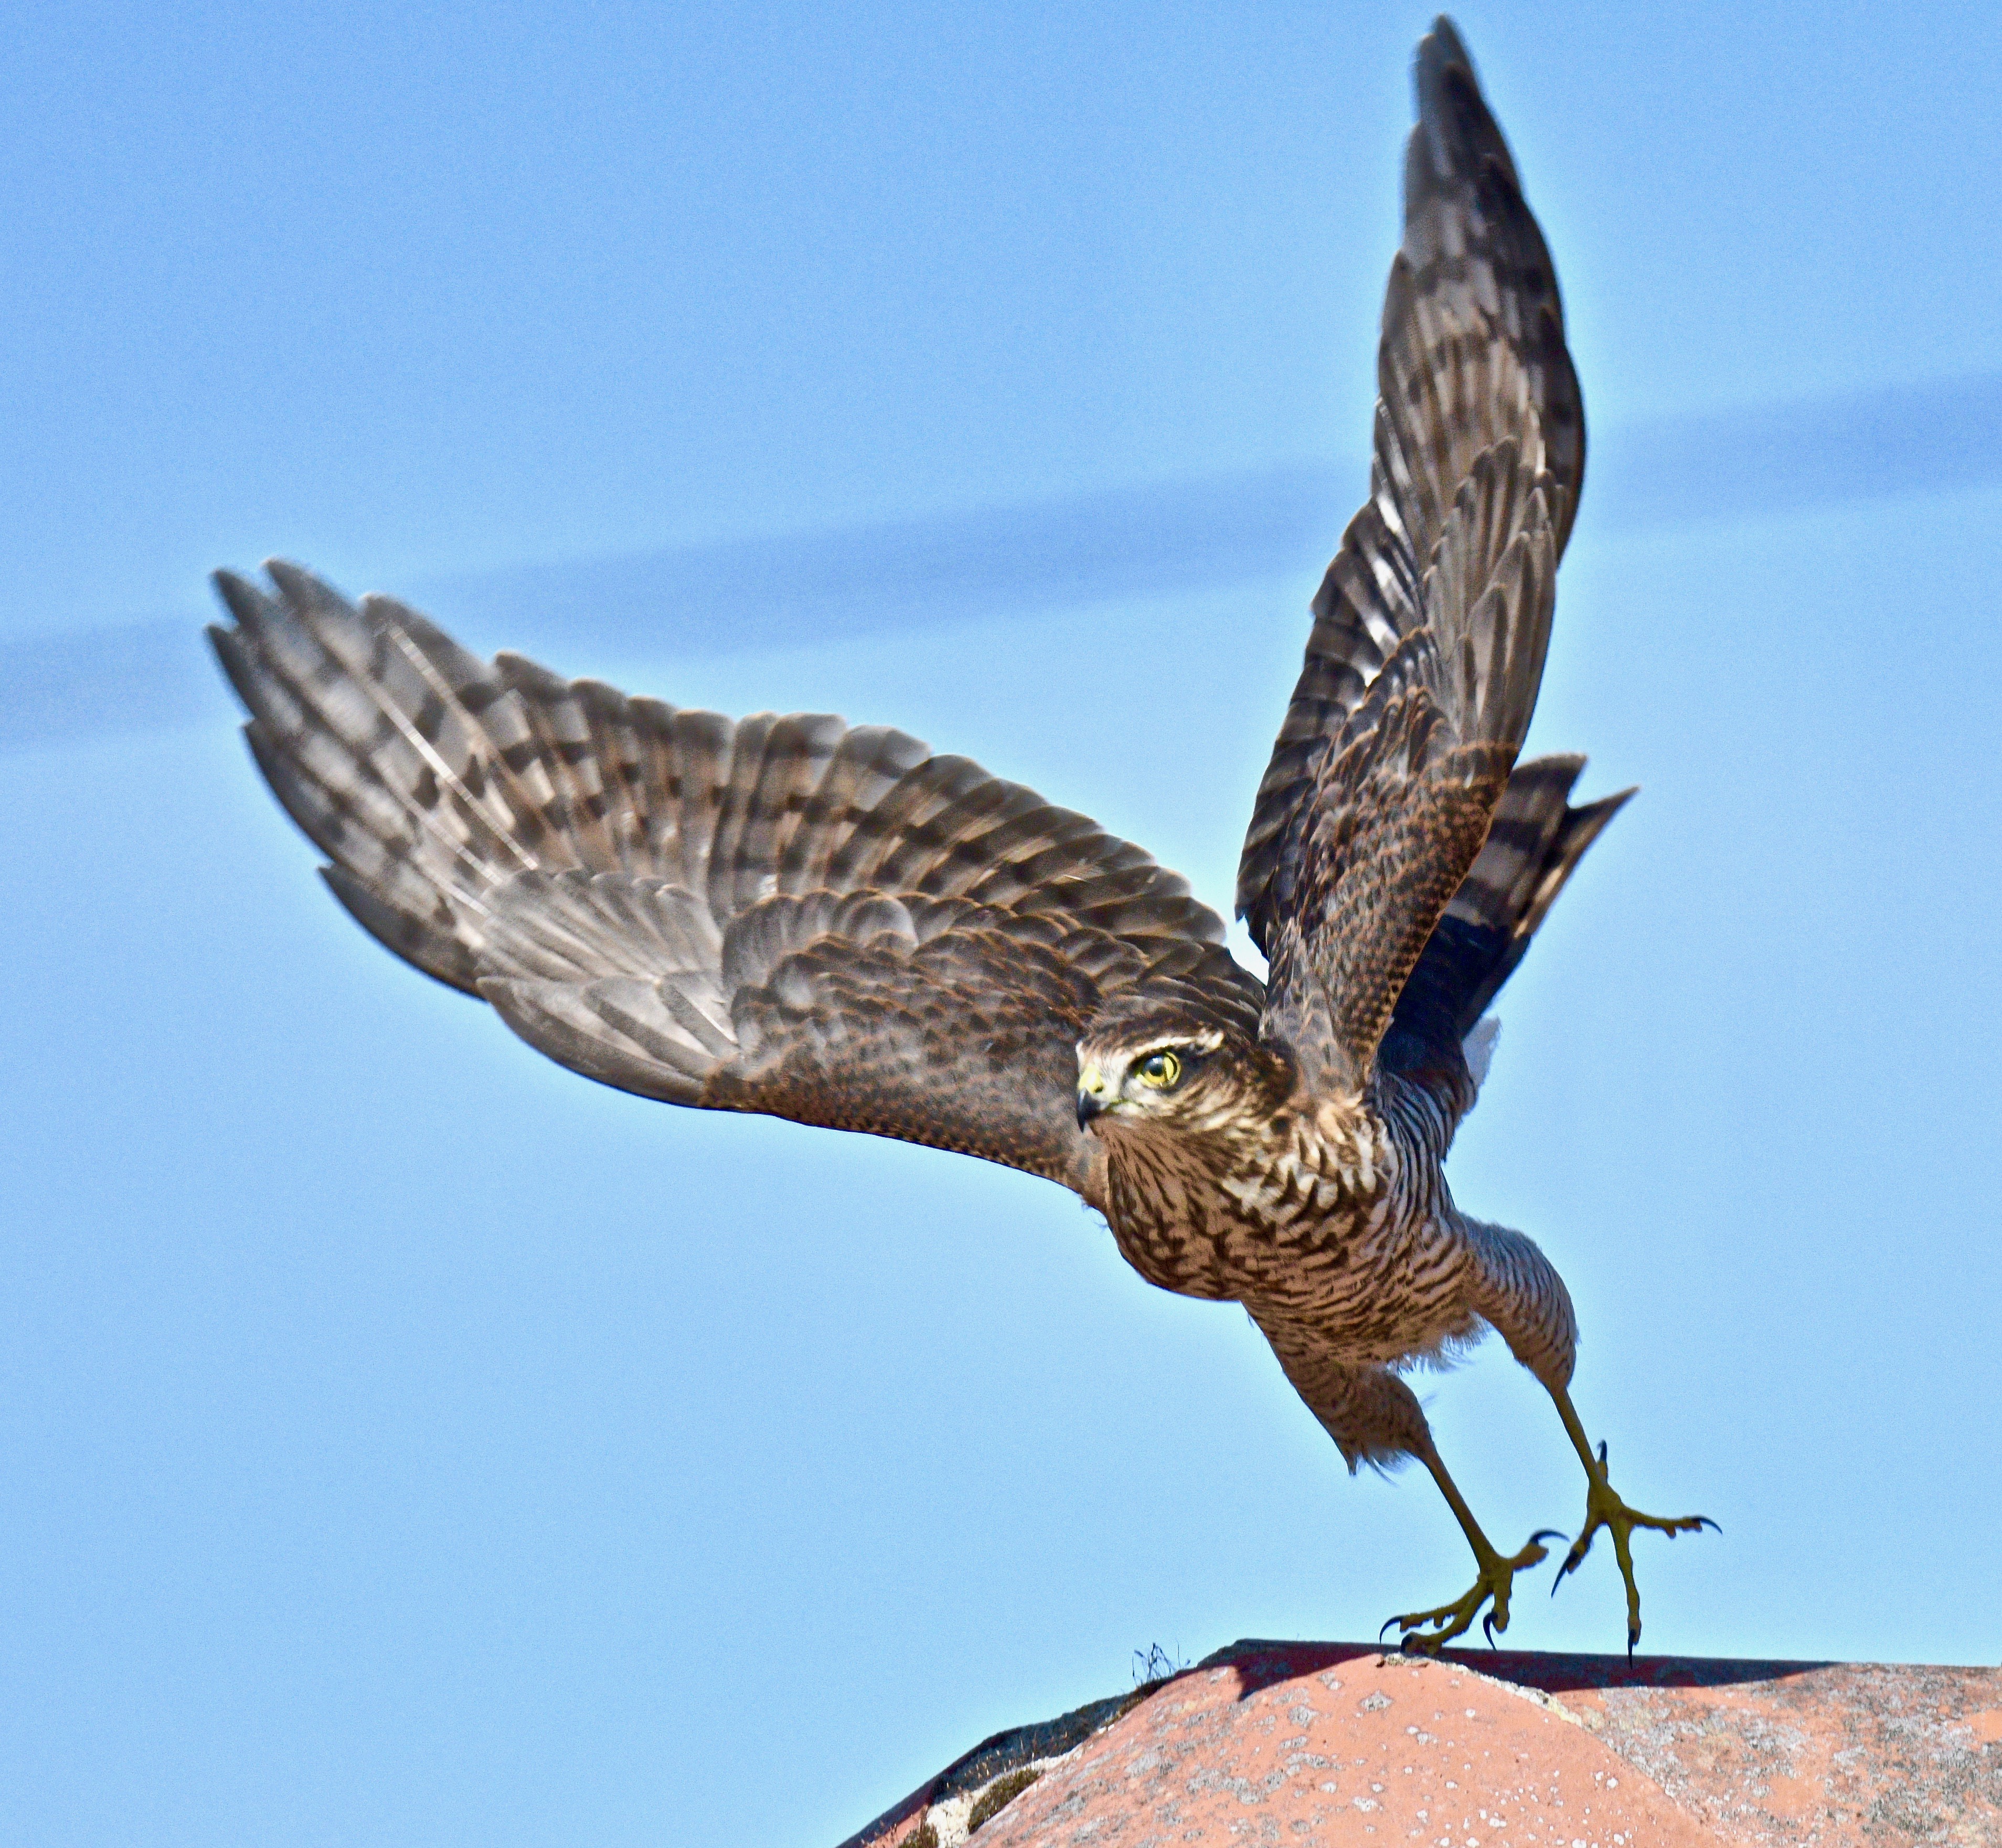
pixel 1333 1743
pixel 1389 1750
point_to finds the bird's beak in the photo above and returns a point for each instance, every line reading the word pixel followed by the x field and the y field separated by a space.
pixel 1090 1095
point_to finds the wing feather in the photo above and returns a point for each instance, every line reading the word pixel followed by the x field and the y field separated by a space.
pixel 1430 628
pixel 1533 846
pixel 779 914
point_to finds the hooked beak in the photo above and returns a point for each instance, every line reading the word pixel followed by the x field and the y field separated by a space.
pixel 1090 1095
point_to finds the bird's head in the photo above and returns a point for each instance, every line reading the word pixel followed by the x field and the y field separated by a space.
pixel 1147 1060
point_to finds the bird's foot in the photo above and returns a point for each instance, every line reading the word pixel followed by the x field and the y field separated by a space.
pixel 1427 1631
pixel 1604 1508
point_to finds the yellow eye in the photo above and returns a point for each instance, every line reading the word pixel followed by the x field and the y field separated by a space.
pixel 1161 1070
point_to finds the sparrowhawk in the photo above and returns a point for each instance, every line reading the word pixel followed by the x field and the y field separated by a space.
pixel 832 924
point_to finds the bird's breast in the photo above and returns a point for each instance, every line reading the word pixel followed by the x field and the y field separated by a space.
pixel 1288 1214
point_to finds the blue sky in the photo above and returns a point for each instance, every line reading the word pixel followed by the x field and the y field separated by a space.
pixel 409 1442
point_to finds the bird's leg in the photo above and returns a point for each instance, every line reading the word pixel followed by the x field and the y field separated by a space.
pixel 1604 1508
pixel 1374 1416
pixel 1428 1631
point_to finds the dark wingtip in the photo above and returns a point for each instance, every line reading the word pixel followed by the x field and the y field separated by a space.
pixel 1444 35
pixel 1441 53
pixel 1455 126
pixel 239 596
pixel 233 653
pixel 295 581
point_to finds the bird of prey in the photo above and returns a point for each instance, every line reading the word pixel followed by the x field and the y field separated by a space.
pixel 832 924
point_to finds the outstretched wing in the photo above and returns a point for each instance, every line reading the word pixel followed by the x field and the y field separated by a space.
pixel 1431 626
pixel 787 914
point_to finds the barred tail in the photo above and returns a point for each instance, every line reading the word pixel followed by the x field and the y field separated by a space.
pixel 1534 845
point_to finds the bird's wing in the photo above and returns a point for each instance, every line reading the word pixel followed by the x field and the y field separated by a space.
pixel 1430 627
pixel 1533 846
pixel 783 914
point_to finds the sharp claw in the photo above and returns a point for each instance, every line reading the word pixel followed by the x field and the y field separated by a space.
pixel 1604 1508
pixel 1487 1624
pixel 1545 1533
pixel 1380 1634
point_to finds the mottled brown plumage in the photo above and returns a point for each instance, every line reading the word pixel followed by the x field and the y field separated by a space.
pixel 830 924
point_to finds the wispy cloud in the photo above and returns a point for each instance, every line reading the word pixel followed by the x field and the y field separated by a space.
pixel 1179 536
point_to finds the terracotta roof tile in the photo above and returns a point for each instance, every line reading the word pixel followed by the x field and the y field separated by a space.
pixel 1306 1743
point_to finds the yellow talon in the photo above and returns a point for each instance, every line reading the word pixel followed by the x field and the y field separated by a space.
pixel 1604 1508
pixel 1497 1578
